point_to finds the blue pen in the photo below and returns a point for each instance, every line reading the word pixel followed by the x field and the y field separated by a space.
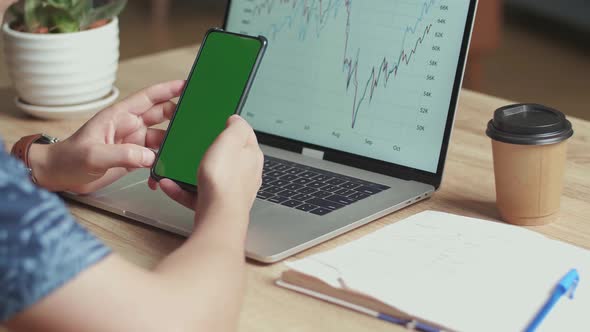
pixel 567 284
pixel 409 324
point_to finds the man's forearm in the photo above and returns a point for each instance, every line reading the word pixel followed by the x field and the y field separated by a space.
pixel 210 266
pixel 199 287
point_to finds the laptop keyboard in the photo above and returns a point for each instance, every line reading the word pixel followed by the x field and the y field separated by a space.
pixel 311 189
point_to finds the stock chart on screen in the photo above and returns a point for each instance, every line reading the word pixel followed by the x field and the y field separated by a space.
pixel 369 77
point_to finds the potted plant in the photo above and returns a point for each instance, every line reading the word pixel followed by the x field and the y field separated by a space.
pixel 63 54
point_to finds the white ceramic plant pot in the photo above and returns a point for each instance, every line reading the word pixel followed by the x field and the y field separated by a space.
pixel 62 69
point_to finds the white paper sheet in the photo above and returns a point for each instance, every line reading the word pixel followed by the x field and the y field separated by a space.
pixel 467 274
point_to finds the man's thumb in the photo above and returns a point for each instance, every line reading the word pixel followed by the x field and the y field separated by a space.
pixel 106 156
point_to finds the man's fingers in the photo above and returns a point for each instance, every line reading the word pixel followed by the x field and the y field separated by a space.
pixel 173 191
pixel 238 131
pixel 252 139
pixel 154 138
pixel 153 184
pixel 159 113
pixel 232 119
pixel 102 157
pixel 239 121
pixel 141 101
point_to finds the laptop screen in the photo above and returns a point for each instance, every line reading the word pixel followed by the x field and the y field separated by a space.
pixel 368 77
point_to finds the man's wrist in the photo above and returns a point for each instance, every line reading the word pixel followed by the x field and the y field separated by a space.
pixel 221 207
pixel 41 166
pixel 221 231
pixel 222 215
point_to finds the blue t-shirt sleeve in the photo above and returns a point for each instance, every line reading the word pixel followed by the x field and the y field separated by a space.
pixel 41 246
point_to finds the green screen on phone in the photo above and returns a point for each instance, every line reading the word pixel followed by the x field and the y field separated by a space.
pixel 213 92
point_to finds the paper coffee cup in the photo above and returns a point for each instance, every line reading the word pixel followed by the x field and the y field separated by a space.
pixel 529 144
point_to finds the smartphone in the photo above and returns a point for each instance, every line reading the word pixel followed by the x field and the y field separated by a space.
pixel 216 88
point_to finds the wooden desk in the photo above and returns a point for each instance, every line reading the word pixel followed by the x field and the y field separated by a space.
pixel 468 189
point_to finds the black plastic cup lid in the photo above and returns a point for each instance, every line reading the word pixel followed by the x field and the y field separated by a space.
pixel 529 124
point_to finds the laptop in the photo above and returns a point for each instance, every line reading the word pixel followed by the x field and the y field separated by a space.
pixel 353 106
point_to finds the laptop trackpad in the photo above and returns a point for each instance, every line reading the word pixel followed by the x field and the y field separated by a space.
pixel 151 205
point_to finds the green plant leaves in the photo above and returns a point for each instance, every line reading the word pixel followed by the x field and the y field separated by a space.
pixel 60 16
pixel 32 18
pixel 16 14
pixel 63 4
pixel 107 11
pixel 63 22
pixel 80 8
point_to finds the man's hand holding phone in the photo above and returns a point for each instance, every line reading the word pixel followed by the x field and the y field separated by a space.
pixel 115 141
pixel 230 173
pixel 229 161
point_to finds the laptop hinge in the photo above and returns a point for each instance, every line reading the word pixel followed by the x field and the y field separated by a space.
pixel 313 153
